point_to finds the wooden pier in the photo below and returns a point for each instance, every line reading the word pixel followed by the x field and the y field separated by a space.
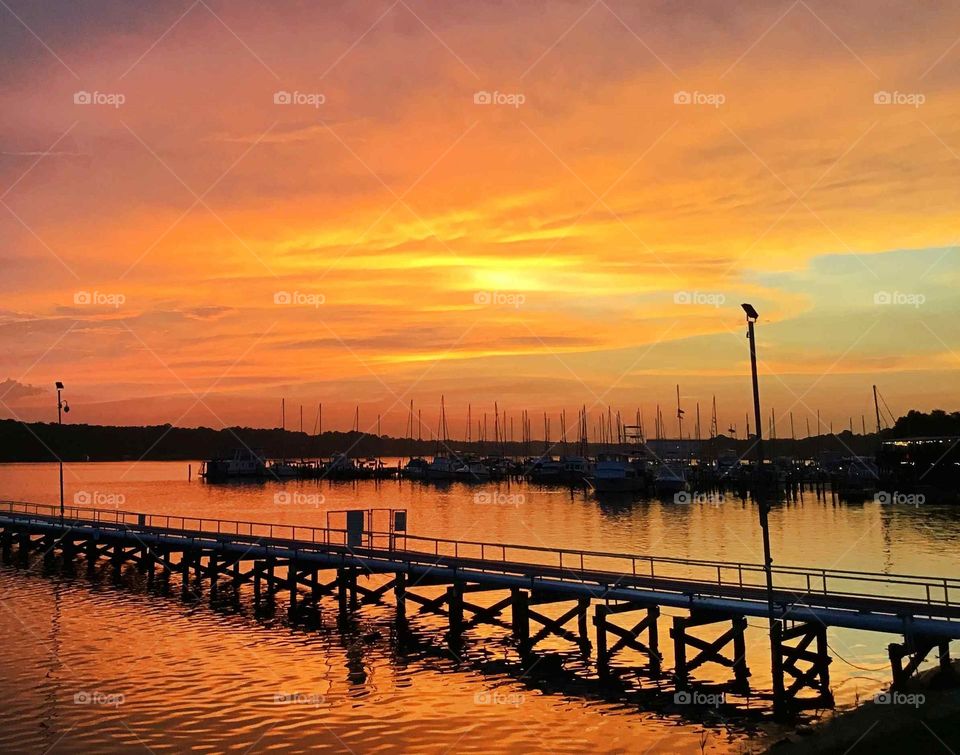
pixel 306 565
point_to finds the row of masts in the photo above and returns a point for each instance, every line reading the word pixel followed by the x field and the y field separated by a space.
pixel 609 429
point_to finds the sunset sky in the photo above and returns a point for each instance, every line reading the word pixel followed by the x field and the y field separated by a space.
pixel 179 244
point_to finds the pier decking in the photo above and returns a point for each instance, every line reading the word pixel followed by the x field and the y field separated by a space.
pixel 309 563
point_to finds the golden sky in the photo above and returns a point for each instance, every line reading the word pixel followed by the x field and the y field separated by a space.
pixel 210 206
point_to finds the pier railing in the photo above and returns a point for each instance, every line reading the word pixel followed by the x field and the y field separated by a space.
pixel 941 595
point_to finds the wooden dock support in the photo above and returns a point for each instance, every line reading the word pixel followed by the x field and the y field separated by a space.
pixel 915 651
pixel 455 608
pixel 48 543
pixel 292 585
pixel 92 555
pixel 710 651
pixel 400 596
pixel 343 586
pixel 521 616
pixel 628 638
pixel 116 562
pixel 214 576
pixel 185 558
pixel 817 674
pixel 24 548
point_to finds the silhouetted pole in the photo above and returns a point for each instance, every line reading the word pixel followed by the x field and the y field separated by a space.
pixel 764 508
pixel 61 407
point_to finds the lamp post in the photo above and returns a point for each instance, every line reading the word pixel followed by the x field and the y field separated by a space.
pixel 764 509
pixel 61 408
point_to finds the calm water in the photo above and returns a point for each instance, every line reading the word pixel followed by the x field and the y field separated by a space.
pixel 97 667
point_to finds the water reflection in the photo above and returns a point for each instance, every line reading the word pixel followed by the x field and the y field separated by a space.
pixel 211 673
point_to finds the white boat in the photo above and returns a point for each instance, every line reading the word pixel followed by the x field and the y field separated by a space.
pixel 415 469
pixel 243 463
pixel 547 470
pixel 576 469
pixel 613 473
pixel 340 467
pixel 473 471
pixel 283 469
pixel 671 478
pixel 442 468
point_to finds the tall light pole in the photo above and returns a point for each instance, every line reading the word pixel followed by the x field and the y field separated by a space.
pixel 61 408
pixel 764 508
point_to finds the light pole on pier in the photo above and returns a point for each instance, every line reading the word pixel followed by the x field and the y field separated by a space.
pixel 764 508
pixel 62 407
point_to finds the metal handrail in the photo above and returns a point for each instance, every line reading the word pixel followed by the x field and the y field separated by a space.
pixel 577 558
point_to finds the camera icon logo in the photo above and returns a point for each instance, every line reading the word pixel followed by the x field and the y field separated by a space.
pixel 682 297
pixel 682 697
pixel 882 297
pixel 281 498
pixel 682 98
pixel 681 497
pixel 82 498
pixel 482 98
pixel 482 298
pixel 82 297
pixel 282 297
pixel 82 98
pixel 882 98
pixel 282 98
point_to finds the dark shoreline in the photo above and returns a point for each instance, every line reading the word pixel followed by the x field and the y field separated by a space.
pixel 43 441
pixel 924 718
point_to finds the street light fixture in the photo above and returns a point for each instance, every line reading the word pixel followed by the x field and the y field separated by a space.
pixel 764 507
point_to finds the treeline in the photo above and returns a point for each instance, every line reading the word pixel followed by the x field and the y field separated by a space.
pixel 937 423
pixel 40 441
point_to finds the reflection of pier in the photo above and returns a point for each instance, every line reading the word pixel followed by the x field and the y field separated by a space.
pixel 626 592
